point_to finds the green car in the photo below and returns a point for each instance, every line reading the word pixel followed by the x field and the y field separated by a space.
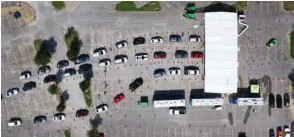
pixel 271 43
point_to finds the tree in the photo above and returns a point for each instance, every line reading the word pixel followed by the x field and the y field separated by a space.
pixel 52 89
pixel 89 75
pixel 75 45
pixel 291 77
pixel 41 59
pixel 85 84
pixel 71 55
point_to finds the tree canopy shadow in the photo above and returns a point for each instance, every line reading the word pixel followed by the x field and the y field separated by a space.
pixel 219 6
pixel 96 121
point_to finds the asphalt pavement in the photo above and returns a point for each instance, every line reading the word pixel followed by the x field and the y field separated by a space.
pixel 100 26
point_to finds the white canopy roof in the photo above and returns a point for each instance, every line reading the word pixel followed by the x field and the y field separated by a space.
pixel 221 52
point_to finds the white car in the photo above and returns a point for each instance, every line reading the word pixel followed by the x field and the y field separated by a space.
pixel 104 62
pixel 99 52
pixel 174 71
pixel 156 39
pixel 12 92
pixel 121 44
pixel 141 56
pixel 119 59
pixel 194 38
pixel 287 131
pixel 191 70
pixel 59 117
pixel 13 123
pixel 25 75
pixel 101 108
pixel 177 111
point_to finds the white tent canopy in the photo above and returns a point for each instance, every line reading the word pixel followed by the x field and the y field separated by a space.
pixel 221 52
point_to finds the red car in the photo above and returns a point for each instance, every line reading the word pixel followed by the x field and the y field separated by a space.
pixel 197 54
pixel 82 112
pixel 159 55
pixel 118 98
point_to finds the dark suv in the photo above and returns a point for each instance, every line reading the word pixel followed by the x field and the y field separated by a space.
pixel 85 68
pixel 181 54
pixel 62 63
pixel 279 101
pixel 40 119
pixel 29 85
pixel 82 113
pixel 50 78
pixel 271 100
pixel 135 84
pixel 139 40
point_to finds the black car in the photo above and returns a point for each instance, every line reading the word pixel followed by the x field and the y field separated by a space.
pixel 271 133
pixel 271 100
pixel 139 40
pixel 40 119
pixel 135 84
pixel 44 69
pixel 82 59
pixel 29 85
pixel 85 68
pixel 82 113
pixel 50 78
pixel 62 63
pixel 241 134
pixel 286 100
pixel 181 54
pixel 279 101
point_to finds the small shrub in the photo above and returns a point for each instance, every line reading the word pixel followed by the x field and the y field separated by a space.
pixel 88 97
pixel 93 132
pixel 292 44
pixel 37 44
pixel 52 89
pixel 59 5
pixel 61 107
pixel 67 133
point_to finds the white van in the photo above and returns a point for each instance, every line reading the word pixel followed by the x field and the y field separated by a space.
pixel 120 60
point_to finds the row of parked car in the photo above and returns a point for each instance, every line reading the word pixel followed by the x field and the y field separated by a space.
pixel 280 132
pixel 188 70
pixel 278 101
pixel 58 116
pixel 157 39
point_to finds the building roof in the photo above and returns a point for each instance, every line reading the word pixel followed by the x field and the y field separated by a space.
pixel 221 52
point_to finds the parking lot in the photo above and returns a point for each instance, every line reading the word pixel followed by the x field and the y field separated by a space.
pixel 127 118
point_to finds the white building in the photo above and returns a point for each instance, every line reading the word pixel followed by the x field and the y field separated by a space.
pixel 221 52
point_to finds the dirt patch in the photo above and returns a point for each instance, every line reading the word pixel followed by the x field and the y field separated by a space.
pixel 71 5
pixel 26 11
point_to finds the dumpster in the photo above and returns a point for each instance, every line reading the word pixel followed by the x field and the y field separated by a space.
pixel 143 102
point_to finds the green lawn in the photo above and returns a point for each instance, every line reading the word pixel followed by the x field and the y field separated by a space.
pixel 131 6
pixel 240 6
pixel 292 44
pixel 37 44
pixel 67 133
pixel 288 5
pixel 58 5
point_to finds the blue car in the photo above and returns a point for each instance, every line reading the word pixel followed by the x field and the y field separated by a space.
pixel 69 72
pixel 82 59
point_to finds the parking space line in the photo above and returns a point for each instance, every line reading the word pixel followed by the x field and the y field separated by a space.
pixel 268 5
